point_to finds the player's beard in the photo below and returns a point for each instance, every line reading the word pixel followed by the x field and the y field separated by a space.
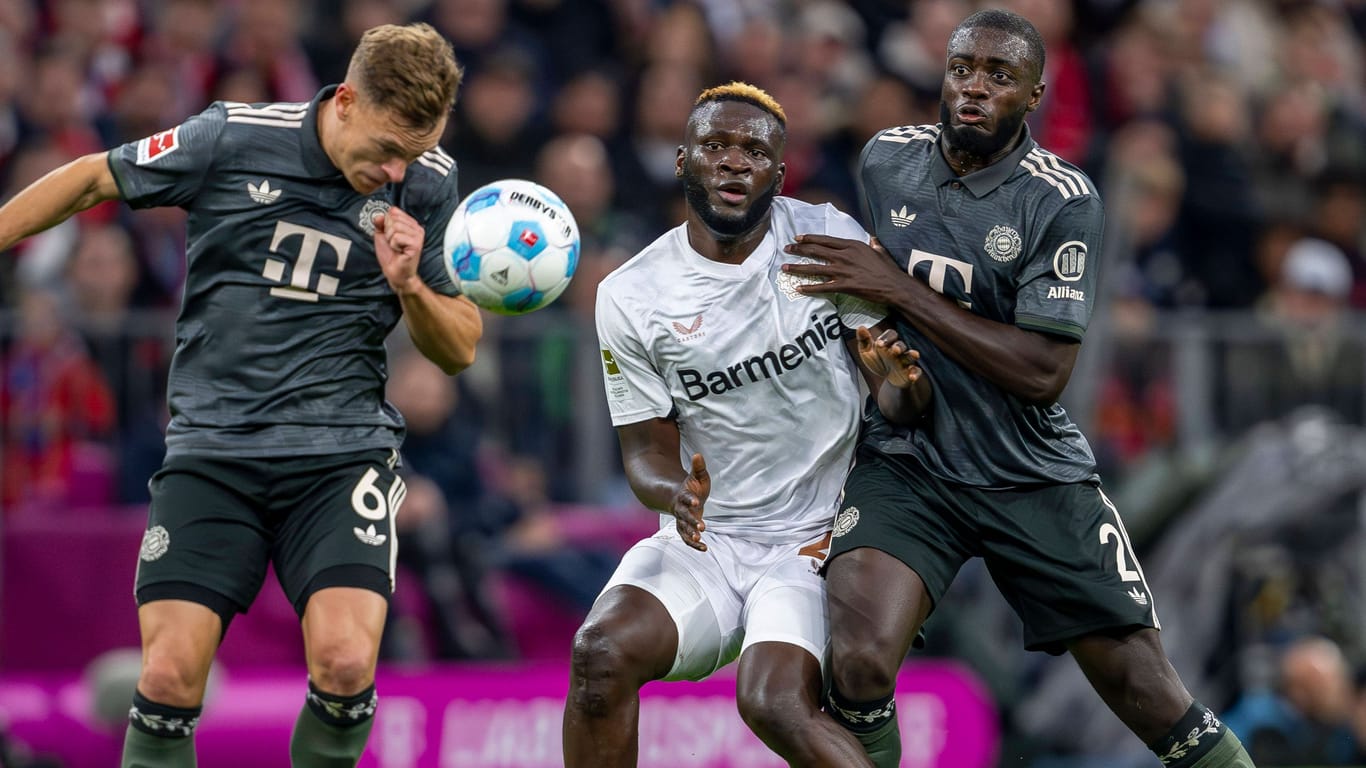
pixel 967 138
pixel 726 225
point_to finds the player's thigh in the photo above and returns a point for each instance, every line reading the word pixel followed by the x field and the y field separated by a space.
pixel 1062 559
pixel 336 524
pixel 693 588
pixel 205 541
pixel 898 543
pixel 786 603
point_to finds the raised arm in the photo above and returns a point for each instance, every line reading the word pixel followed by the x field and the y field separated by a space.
pixel 56 197
pixel 445 329
pixel 1032 366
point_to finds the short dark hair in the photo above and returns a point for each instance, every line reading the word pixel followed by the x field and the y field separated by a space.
pixel 1013 24
pixel 744 92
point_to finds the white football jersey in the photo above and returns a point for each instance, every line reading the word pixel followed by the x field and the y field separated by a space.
pixel 755 372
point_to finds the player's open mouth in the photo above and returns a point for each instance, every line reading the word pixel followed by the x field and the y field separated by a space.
pixel 971 115
pixel 733 192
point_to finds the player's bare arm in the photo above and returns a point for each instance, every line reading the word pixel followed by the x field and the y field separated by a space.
pixel 1032 366
pixel 62 193
pixel 444 328
pixel 903 391
pixel 649 452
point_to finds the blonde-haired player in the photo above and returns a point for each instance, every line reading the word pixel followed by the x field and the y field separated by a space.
pixel 737 403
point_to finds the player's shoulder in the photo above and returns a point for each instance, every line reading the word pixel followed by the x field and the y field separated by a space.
pixel 430 179
pixel 901 141
pixel 1054 179
pixel 247 120
pixel 657 264
pixel 795 217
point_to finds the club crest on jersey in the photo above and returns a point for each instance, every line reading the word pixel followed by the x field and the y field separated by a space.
pixel 1003 243
pixel 788 282
pixel 1069 261
pixel 366 219
pixel 155 542
pixel 845 521
pixel 158 145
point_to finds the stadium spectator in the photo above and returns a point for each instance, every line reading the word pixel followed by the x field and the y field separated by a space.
pixel 1305 356
pixel 101 278
pixel 58 415
pixel 1307 718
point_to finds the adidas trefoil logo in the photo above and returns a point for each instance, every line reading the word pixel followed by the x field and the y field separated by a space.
pixel 1138 596
pixel 263 194
pixel 901 218
pixel 369 536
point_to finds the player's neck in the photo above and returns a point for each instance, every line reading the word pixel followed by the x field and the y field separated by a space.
pixel 963 161
pixel 327 126
pixel 727 250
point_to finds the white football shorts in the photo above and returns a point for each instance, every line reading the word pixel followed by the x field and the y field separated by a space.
pixel 732 596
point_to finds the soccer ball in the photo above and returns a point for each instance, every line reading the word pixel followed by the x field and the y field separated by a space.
pixel 512 246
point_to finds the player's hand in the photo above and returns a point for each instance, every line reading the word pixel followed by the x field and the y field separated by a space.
pixel 688 502
pixel 889 357
pixel 398 246
pixel 846 266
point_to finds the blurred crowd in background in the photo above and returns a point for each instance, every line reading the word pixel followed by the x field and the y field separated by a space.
pixel 1228 138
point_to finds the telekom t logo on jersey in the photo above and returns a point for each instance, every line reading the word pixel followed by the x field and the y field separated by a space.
pixel 939 267
pixel 301 274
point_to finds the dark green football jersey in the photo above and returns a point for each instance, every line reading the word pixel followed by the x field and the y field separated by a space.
pixel 280 338
pixel 1017 243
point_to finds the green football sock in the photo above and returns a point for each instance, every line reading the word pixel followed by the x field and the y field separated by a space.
pixel 331 731
pixel 873 723
pixel 143 750
pixel 883 745
pixel 1201 740
pixel 1228 752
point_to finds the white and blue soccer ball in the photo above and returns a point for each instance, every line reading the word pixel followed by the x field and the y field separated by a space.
pixel 512 246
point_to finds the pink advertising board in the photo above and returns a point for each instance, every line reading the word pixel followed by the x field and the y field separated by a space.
pixel 479 716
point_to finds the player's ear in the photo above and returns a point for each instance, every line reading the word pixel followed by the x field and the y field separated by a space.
pixel 344 99
pixel 778 178
pixel 1036 96
pixel 678 162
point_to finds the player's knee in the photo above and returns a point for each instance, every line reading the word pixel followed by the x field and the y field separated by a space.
pixel 602 670
pixel 599 655
pixel 865 670
pixel 342 670
pixel 171 681
pixel 774 715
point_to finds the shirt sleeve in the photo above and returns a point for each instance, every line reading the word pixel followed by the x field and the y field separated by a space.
pixel 167 168
pixel 1056 290
pixel 635 389
pixel 853 311
pixel 434 216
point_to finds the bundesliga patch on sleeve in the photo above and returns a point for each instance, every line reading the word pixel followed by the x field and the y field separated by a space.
pixel 158 145
pixel 617 388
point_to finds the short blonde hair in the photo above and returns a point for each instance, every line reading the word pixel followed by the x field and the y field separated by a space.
pixel 750 94
pixel 409 71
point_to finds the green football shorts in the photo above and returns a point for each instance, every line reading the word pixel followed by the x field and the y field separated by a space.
pixel 215 524
pixel 1058 553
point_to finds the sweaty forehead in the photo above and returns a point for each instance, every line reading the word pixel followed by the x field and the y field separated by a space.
pixel 988 43
pixel 732 117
